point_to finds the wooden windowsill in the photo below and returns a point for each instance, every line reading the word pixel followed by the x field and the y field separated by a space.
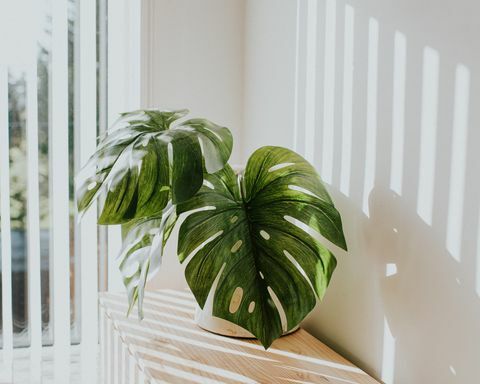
pixel 168 347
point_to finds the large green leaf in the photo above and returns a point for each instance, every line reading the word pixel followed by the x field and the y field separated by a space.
pixel 250 234
pixel 141 255
pixel 144 161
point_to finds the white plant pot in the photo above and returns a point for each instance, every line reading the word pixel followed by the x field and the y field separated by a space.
pixel 219 326
pixel 205 320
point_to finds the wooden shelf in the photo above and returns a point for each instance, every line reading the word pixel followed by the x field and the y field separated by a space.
pixel 168 347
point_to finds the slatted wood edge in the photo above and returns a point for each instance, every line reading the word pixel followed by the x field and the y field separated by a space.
pixel 168 347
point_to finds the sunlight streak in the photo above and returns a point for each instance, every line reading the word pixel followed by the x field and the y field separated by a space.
pixel 300 57
pixel 347 100
pixel 428 138
pixel 160 295
pixel 398 111
pixel 371 134
pixel 458 162
pixel 388 360
pixel 152 303
pixel 185 294
pixel 147 327
pixel 391 269
pixel 160 328
pixel 320 374
pixel 151 354
pixel 329 91
pixel 310 88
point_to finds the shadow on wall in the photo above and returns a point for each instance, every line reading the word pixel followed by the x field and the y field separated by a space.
pixel 392 126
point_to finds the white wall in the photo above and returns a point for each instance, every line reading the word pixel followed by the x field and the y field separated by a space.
pixel 192 57
pixel 269 74
pixel 399 153
pixel 381 96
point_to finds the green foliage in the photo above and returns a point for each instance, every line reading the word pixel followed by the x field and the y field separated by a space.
pixel 248 232
pixel 145 161
pixel 256 233
pixel 144 165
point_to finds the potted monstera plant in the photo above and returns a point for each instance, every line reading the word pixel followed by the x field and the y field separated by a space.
pixel 249 238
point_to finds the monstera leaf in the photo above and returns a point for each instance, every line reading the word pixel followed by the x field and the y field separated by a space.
pixel 143 162
pixel 142 252
pixel 252 240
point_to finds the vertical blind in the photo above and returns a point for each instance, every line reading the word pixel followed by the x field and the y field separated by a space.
pixel 59 62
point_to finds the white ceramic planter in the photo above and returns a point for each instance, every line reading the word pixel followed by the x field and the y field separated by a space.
pixel 213 324
pixel 219 326
pixel 205 320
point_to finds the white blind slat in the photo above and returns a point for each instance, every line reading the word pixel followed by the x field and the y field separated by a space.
pixel 60 252
pixel 102 128
pixel 33 218
pixel 102 342
pixel 88 228
pixel 6 248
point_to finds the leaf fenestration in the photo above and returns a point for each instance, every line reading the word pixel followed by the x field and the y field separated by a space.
pixel 249 227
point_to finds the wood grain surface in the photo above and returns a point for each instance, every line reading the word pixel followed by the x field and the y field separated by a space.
pixel 168 347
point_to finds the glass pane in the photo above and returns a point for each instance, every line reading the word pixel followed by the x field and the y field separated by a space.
pixel 18 204
pixel 18 163
pixel 43 63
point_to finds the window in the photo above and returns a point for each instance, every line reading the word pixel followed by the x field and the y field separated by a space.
pixel 17 134
pixel 53 104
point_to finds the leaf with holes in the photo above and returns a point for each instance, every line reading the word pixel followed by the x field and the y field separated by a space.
pixel 253 238
pixel 144 161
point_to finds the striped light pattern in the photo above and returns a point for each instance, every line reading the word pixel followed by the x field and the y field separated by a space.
pixel 168 346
